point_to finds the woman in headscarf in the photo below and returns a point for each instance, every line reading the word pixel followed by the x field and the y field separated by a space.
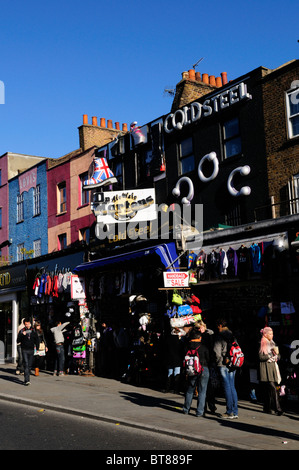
pixel 269 371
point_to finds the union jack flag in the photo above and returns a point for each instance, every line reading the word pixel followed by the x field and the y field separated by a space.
pixel 101 169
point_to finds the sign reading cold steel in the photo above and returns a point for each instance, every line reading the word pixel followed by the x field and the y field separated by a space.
pixel 196 111
pixel 124 206
pixel 179 279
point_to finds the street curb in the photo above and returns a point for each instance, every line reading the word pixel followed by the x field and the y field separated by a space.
pixel 109 419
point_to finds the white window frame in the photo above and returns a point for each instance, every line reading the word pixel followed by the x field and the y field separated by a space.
pixel 20 252
pixel 294 92
pixel 36 201
pixel 20 208
pixel 37 248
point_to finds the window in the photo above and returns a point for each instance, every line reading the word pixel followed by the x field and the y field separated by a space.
pixel 84 234
pixel 20 208
pixel 84 196
pixel 118 173
pixel 233 217
pixel 37 248
pixel 61 198
pixel 20 252
pixel 62 241
pixel 186 156
pixel 36 200
pixel 293 112
pixel 293 194
pixel 231 138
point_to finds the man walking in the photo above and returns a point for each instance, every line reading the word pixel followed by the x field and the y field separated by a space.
pixel 28 340
pixel 221 350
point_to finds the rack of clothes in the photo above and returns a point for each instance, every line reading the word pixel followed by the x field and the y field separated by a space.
pixel 52 284
pixel 226 263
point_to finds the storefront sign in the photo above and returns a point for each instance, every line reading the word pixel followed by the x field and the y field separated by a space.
pixel 13 278
pixel 179 279
pixel 5 279
pixel 77 287
pixel 125 206
pixel 196 111
pixel 27 180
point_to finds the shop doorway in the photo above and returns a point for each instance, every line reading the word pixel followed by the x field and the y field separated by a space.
pixel 5 331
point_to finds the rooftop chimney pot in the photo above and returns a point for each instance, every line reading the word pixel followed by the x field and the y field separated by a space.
pixel 191 74
pixel 85 119
pixel 218 82
pixel 224 77
pixel 212 80
pixel 125 127
pixel 102 122
pixel 205 78
pixel 94 121
pixel 109 124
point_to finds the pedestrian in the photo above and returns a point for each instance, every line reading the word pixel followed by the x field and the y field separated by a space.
pixel 20 368
pixel 200 380
pixel 174 356
pixel 40 353
pixel 208 340
pixel 269 372
pixel 28 340
pixel 58 331
pixel 221 349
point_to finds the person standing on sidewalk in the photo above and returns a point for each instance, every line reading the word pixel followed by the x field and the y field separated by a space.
pixel 28 340
pixel 269 371
pixel 40 353
pixel 58 331
pixel 201 380
pixel 221 349
pixel 20 368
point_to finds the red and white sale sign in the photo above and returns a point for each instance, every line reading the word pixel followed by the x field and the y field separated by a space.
pixel 176 279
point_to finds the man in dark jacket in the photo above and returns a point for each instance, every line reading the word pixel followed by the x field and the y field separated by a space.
pixel 201 380
pixel 28 339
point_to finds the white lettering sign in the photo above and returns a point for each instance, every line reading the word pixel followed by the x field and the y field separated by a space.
pixel 196 111
pixel 176 279
pixel 124 206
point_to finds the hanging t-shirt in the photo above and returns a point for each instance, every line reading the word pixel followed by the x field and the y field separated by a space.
pixel 243 262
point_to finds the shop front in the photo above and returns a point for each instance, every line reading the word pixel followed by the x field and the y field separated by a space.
pixel 123 295
pixel 13 305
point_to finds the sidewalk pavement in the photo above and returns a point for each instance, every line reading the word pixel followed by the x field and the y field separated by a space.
pixel 144 408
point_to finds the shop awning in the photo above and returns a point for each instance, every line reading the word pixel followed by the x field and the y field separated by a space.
pixel 167 253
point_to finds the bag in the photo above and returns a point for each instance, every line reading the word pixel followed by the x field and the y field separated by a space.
pixel 78 337
pixel 184 310
pixel 42 346
pixel 192 364
pixel 176 298
pixel 235 356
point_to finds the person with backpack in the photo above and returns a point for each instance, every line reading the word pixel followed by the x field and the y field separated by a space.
pixel 222 346
pixel 197 371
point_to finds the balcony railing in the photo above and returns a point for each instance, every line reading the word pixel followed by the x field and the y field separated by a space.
pixel 276 210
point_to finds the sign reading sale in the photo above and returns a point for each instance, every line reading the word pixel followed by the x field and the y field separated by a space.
pixel 176 279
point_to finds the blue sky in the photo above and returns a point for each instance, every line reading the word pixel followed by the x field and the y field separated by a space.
pixel 113 59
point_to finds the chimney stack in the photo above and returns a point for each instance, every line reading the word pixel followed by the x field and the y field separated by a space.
pixel 98 135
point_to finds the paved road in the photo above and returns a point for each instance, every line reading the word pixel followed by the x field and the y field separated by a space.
pixel 147 409
pixel 26 427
